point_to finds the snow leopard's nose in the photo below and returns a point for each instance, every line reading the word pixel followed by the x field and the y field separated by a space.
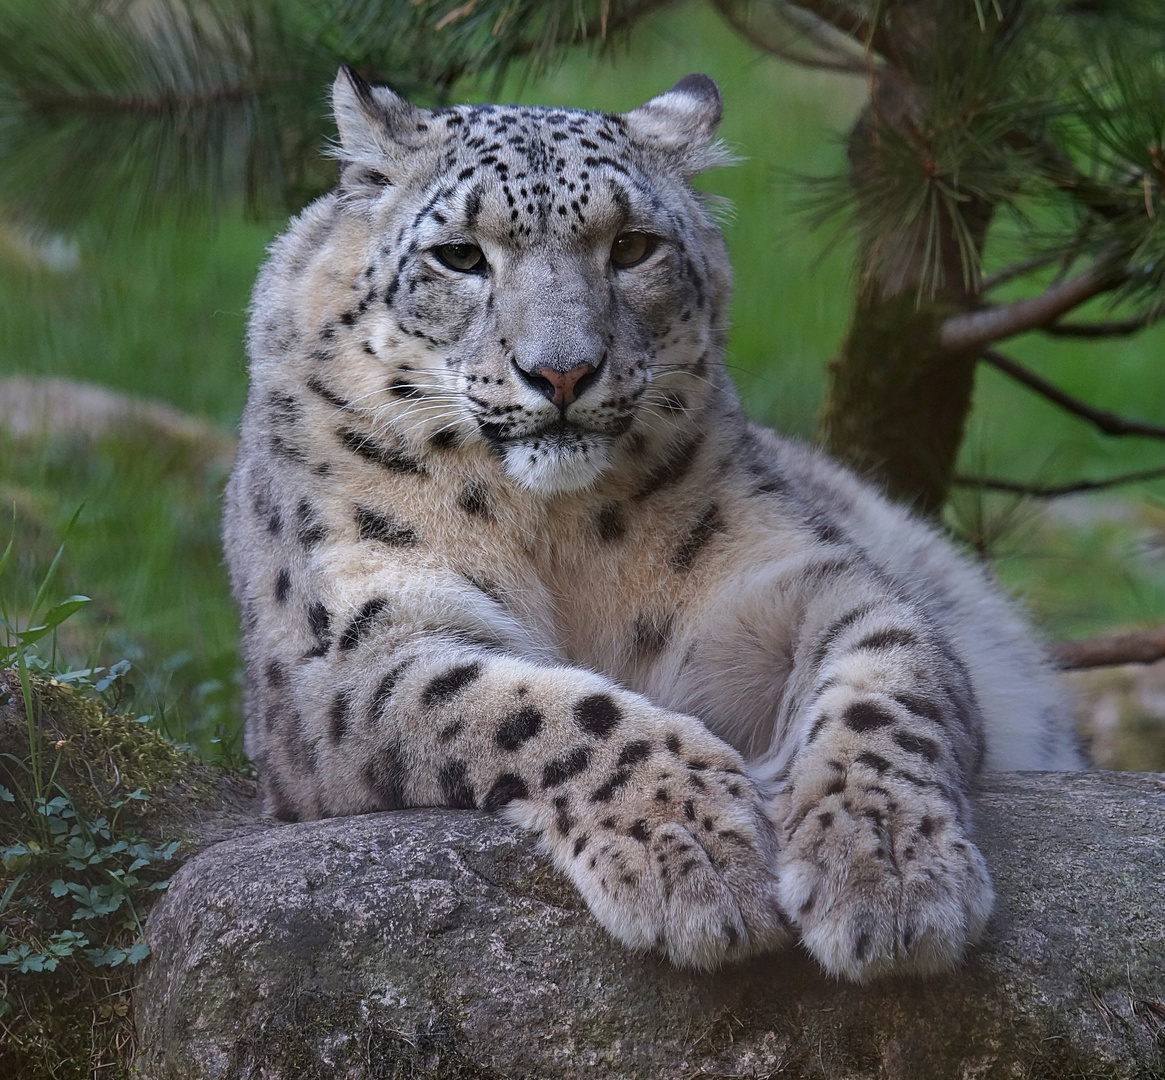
pixel 559 387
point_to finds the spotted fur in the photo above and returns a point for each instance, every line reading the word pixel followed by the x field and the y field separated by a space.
pixel 506 541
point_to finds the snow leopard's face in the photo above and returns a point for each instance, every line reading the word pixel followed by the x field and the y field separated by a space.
pixel 557 287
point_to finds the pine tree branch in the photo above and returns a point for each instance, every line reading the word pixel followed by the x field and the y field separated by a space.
pixel 1108 422
pixel 1144 647
pixel 1062 172
pixel 1019 269
pixel 49 102
pixel 601 27
pixel 1055 491
pixel 975 329
pixel 846 20
pixel 1117 328
pixel 811 26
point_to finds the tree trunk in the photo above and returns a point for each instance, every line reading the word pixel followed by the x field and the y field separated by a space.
pixel 896 403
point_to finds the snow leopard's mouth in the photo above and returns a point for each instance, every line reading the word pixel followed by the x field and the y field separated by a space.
pixel 555 458
pixel 558 436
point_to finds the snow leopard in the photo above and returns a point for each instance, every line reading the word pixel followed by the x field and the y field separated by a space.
pixel 503 540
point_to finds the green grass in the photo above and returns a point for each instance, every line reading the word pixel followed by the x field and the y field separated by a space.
pixel 162 314
pixel 146 548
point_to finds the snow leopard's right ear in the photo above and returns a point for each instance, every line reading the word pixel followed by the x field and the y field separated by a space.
pixel 682 124
pixel 377 130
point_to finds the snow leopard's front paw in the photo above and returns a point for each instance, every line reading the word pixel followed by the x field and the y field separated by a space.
pixel 669 844
pixel 881 879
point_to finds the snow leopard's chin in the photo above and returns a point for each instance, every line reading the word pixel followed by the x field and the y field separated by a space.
pixel 558 462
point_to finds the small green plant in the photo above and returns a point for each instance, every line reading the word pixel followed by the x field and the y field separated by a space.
pixel 76 873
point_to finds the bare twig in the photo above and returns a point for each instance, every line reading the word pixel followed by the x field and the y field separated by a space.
pixel 1116 328
pixel 1019 269
pixel 1108 422
pixel 1145 647
pixel 1054 491
pixel 811 26
pixel 975 329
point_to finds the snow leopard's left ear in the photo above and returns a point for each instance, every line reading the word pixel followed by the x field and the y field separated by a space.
pixel 682 123
pixel 378 128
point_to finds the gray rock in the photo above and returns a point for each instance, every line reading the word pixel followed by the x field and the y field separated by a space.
pixel 439 944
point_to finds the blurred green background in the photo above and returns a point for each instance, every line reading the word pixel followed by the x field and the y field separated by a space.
pixel 161 313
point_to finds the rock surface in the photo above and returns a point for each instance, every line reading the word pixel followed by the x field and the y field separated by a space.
pixel 433 943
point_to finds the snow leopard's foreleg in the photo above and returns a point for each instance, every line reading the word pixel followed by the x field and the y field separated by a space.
pixel 651 816
pixel 882 739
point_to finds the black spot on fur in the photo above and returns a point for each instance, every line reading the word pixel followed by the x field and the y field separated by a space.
pixel 385 687
pixel 309 531
pixel 826 530
pixel 605 792
pixel 518 729
pixel 926 826
pixel 317 386
pixel 319 622
pixel 633 753
pixel 485 585
pixel 283 407
pixel 866 716
pixel 563 768
pixel 885 639
pixel 579 844
pixel 384 774
pixel 597 715
pixel 673 470
pixel 456 789
pixel 450 683
pixel 915 744
pixel 837 628
pixel 445 439
pixel 275 674
pixel 610 523
pixel 862 946
pixel 505 790
pixel 362 623
pixel 650 636
pixel 450 731
pixel 563 822
pixel 639 831
pixel 339 715
pixel 672 742
pixel 474 500
pixel 385 456
pixel 818 726
pixel 277 800
pixel 921 706
pixel 697 538
pixel 281 448
pixel 873 761
pixel 827 568
pixel 374 526
pixel 282 585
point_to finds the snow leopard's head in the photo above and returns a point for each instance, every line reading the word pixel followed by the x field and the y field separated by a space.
pixel 545 279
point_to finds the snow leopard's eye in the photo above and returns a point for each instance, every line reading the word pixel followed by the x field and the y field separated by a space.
pixel 631 248
pixel 464 258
